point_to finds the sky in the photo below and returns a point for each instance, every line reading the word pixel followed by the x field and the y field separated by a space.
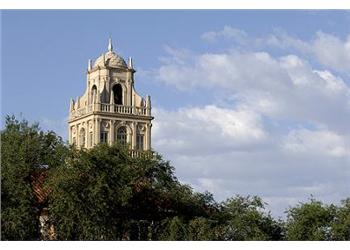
pixel 245 102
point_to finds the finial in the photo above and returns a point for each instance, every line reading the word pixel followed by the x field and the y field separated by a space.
pixel 77 104
pixel 148 101
pixel 110 45
pixel 71 105
pixel 130 66
pixel 89 65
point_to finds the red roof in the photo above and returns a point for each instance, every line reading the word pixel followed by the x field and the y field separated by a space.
pixel 40 192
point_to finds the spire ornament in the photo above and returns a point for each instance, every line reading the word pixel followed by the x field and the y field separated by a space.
pixel 130 64
pixel 89 64
pixel 110 45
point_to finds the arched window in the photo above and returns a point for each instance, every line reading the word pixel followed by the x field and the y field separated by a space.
pixel 93 94
pixel 121 135
pixel 118 94
pixel 82 137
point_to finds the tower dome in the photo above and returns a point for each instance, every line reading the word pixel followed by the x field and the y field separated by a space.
pixel 110 59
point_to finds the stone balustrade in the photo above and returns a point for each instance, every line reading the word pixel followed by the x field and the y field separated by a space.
pixel 140 153
pixel 110 108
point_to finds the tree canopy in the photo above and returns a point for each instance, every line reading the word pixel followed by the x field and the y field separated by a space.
pixel 25 151
pixel 105 194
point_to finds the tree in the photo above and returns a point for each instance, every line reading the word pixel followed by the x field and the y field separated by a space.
pixel 104 194
pixel 310 221
pixel 201 228
pixel 175 229
pixel 341 224
pixel 242 218
pixel 25 151
pixel 90 194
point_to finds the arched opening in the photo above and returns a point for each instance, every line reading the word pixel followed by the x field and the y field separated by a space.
pixel 93 93
pixel 121 135
pixel 118 94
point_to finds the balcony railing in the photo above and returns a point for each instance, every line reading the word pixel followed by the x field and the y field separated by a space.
pixel 110 108
pixel 140 153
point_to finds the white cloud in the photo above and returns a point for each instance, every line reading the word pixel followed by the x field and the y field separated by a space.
pixel 282 88
pixel 227 70
pixel 332 82
pixel 330 50
pixel 228 32
pixel 281 169
pixel 319 142
pixel 279 129
pixel 282 40
pixel 198 130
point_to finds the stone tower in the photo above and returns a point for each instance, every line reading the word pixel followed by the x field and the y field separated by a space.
pixel 110 110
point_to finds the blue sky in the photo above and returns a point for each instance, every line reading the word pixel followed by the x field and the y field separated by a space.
pixel 230 89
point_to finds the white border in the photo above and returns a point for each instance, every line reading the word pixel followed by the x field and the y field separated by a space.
pixel 175 4
pixel 176 245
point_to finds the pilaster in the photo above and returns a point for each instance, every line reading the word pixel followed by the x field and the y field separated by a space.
pixel 133 137
pixel 111 134
pixel 97 131
pixel 148 136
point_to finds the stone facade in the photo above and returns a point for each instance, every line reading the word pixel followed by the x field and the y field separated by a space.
pixel 110 110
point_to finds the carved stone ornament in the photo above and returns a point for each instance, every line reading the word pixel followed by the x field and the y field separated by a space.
pixel 141 128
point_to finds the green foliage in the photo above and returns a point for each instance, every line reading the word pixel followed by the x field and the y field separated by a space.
pixel 90 194
pixel 341 223
pixel 175 229
pixel 24 152
pixel 310 221
pixel 243 219
pixel 201 228
pixel 104 194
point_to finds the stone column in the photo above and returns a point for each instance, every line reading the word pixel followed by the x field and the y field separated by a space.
pixel 77 135
pixel 74 127
pixel 70 134
pixel 133 135
pixel 97 131
pixel 125 97
pixel 88 134
pixel 86 127
pixel 148 136
pixel 111 134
